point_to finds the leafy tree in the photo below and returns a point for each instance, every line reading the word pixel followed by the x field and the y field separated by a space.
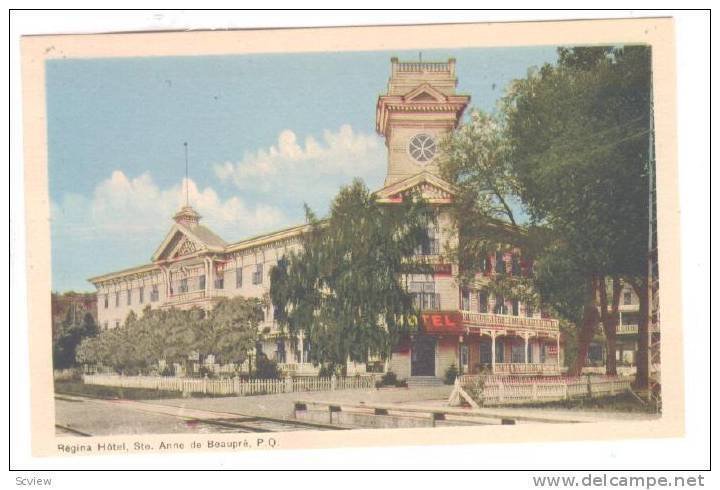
pixel 579 138
pixel 228 331
pixel 570 143
pixel 344 289
pixel 68 337
pixel 232 328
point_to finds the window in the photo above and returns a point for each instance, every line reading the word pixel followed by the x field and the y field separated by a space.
pixel 529 310
pixel 543 352
pixel 154 293
pixel 220 281
pixel 627 298
pixel 107 300
pixel 516 270
pixel 183 286
pixel 518 352
pixel 465 300
pixel 238 277
pixel 117 323
pixel 499 350
pixel 117 298
pixel 430 244
pixel 141 293
pixel 105 325
pixel 515 307
pixel 280 351
pixel 483 301
pixel 485 351
pixel 129 297
pixel 424 296
pixel 422 147
pixel 487 264
pixel 499 305
pixel 257 277
pixel 464 355
pixel 201 282
pixel 499 263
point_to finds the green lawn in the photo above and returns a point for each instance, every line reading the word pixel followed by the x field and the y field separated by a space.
pixel 110 392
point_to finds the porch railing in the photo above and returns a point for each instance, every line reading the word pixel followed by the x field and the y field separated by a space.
pixel 491 320
pixel 527 368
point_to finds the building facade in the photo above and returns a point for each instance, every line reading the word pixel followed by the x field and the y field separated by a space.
pixel 462 326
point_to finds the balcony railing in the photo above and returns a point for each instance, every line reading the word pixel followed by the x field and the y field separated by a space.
pixel 490 320
pixel 627 329
pixel 185 297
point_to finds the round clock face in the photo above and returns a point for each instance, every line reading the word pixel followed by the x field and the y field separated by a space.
pixel 422 147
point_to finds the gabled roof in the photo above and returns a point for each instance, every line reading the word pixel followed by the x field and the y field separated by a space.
pixel 202 238
pixel 425 93
pixel 434 189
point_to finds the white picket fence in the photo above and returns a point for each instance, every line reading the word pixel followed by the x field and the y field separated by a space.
pixel 232 386
pixel 507 390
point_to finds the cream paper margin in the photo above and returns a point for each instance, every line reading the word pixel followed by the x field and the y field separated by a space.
pixel 656 32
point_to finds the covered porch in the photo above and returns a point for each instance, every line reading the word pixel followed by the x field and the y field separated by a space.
pixel 505 344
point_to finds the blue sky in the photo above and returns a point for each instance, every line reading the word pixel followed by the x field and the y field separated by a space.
pixel 266 133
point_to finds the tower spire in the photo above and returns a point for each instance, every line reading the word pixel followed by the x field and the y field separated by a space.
pixel 187 216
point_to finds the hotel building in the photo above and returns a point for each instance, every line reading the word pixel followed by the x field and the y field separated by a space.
pixel 467 327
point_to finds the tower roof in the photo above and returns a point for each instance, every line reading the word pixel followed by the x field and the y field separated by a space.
pixel 187 216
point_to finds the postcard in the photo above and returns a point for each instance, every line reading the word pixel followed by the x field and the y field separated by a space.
pixel 357 236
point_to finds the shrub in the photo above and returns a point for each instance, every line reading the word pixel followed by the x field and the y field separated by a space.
pixel 266 368
pixel 168 370
pixel 325 371
pixel 450 374
pixel 389 379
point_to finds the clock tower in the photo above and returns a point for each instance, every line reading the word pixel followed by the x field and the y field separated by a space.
pixel 419 108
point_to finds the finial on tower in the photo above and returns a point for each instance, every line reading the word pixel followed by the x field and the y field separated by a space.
pixel 187 216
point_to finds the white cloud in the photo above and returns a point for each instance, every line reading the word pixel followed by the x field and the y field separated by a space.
pixel 290 166
pixel 136 208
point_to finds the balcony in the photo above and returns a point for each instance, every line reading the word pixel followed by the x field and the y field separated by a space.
pixel 512 322
pixel 422 66
pixel 189 298
pixel 627 329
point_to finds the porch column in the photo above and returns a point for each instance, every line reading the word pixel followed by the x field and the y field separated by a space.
pixel 527 344
pixel 492 350
pixel 208 279
pixel 557 339
pixel 302 349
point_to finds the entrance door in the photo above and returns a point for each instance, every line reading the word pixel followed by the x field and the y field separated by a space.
pixel 423 356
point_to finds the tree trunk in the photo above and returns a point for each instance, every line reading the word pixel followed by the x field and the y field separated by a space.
pixel 609 315
pixel 643 355
pixel 589 324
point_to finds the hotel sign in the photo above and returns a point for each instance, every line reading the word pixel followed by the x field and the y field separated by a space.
pixel 437 322
pixel 442 322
